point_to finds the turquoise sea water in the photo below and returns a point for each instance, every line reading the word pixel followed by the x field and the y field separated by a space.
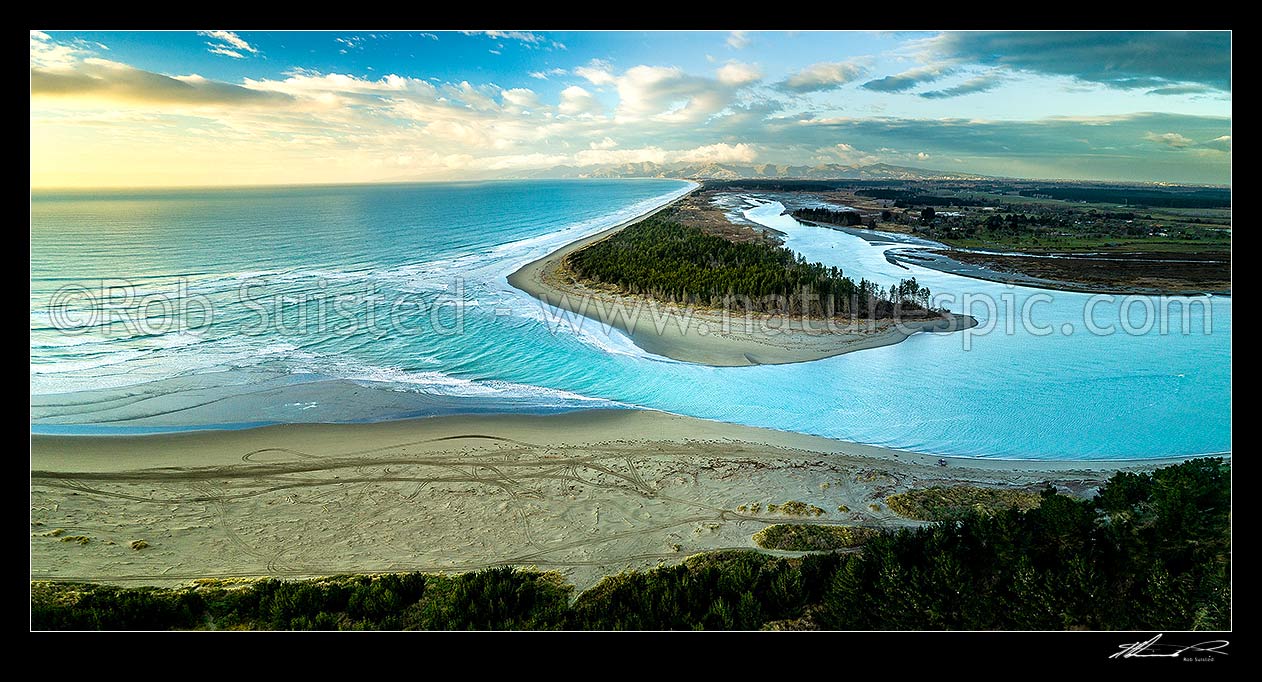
pixel 390 301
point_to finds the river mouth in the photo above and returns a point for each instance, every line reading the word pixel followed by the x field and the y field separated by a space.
pixel 1012 393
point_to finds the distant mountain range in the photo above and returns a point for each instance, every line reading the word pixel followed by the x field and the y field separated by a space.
pixel 734 171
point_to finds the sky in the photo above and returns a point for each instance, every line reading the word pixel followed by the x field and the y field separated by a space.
pixel 220 107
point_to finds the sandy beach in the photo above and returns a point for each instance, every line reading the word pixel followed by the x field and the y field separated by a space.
pixel 707 336
pixel 586 493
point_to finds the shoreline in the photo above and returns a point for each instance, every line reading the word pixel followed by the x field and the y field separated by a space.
pixel 705 336
pixel 588 493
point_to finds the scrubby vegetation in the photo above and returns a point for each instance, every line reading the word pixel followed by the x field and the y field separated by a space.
pixel 669 261
pixel 1150 552
pixel 795 508
pixel 955 502
pixel 811 537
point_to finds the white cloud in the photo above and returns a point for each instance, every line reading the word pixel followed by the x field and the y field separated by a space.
pixel 313 84
pixel 543 75
pixel 1172 140
pixel 824 75
pixel 738 39
pixel 719 153
pixel 575 101
pixel 921 156
pixel 523 98
pixel 530 39
pixel 847 154
pixel 607 143
pixel 737 73
pixel 667 94
pixel 523 36
pixel 1222 143
pixel 49 53
pixel 228 44
pixel 598 72
pixel 479 98
pixel 351 43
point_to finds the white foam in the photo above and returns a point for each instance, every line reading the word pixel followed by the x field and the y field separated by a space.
pixel 484 275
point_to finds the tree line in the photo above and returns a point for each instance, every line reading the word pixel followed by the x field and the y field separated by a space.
pixel 827 215
pixel 669 261
pixel 1149 552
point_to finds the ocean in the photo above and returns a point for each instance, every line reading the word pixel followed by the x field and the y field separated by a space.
pixel 225 308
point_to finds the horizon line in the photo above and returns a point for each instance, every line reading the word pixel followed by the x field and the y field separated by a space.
pixel 357 183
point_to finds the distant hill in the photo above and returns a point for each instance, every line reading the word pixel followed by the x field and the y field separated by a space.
pixel 735 171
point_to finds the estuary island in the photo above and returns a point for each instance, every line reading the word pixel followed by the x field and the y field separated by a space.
pixel 685 283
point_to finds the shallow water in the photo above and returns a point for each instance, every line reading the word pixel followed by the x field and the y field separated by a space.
pixel 391 265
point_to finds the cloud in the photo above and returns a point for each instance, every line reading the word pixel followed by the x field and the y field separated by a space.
pixel 522 98
pixel 847 154
pixel 104 79
pixel 1100 147
pixel 228 44
pixel 824 76
pixel 575 101
pixel 1221 143
pixel 1186 89
pixel 982 83
pixel 1172 140
pixel 479 98
pixel 308 126
pixel 719 153
pixel 597 72
pixel 737 73
pixel 49 53
pixel 543 75
pixel 738 39
pixel 1120 59
pixel 667 94
pixel 316 85
pixel 523 36
pixel 233 53
pixel 908 79
pixel 529 39
pixel 351 43
pixel 922 156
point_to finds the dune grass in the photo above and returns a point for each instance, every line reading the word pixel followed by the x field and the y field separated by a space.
pixel 951 503
pixel 802 537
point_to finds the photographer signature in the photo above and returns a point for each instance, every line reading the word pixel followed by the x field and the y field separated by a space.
pixel 1152 649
